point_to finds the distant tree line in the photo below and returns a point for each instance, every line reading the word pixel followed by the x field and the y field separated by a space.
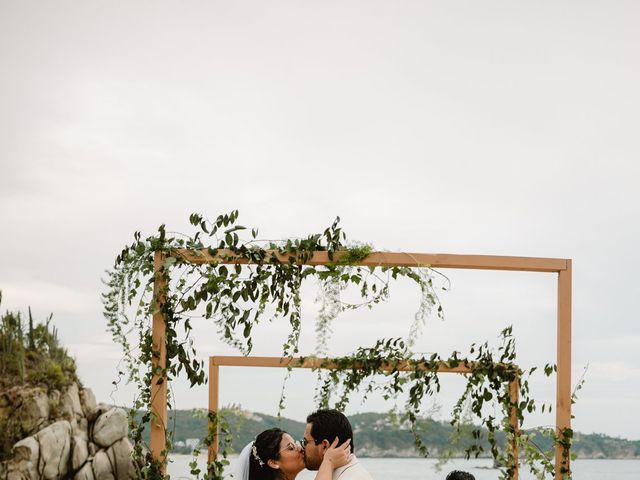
pixel 377 434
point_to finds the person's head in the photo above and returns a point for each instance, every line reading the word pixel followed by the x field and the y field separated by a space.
pixel 275 455
pixel 460 475
pixel 323 426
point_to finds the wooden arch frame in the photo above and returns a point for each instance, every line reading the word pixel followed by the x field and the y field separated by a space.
pixel 464 367
pixel 377 259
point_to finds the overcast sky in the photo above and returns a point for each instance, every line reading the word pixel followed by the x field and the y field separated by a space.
pixel 483 127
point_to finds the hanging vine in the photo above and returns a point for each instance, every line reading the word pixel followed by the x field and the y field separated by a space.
pixel 236 298
pixel 487 384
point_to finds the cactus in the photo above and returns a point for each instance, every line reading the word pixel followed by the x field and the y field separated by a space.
pixel 31 352
pixel 32 344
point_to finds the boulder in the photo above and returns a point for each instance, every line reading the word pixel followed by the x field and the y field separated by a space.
pixel 110 427
pixel 26 449
pixel 26 408
pixel 93 448
pixel 85 473
pixel 24 461
pixel 88 402
pixel 13 474
pixel 81 428
pixel 87 442
pixel 99 410
pixel 36 409
pixel 70 402
pixel 120 457
pixel 55 448
pixel 80 452
pixel 102 469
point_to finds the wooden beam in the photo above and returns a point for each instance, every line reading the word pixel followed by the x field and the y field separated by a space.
pixel 328 364
pixel 388 259
pixel 214 398
pixel 514 395
pixel 563 377
pixel 159 363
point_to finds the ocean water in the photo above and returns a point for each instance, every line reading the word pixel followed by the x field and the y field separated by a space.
pixel 426 469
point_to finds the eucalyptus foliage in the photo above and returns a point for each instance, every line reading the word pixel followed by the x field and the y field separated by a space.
pixel 236 298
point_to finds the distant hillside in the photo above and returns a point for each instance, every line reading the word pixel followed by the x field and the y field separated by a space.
pixel 375 435
pixel 244 425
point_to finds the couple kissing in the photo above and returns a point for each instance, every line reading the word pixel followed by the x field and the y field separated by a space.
pixel 327 447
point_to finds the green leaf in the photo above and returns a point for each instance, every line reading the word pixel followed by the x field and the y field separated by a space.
pixel 235 228
pixel 169 262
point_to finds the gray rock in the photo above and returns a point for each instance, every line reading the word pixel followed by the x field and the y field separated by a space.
pixel 120 456
pixel 70 402
pixel 88 402
pixel 81 428
pixel 33 411
pixel 18 475
pixel 93 448
pixel 80 452
pixel 36 407
pixel 110 427
pixel 85 473
pixel 26 449
pixel 24 460
pixel 99 410
pixel 23 411
pixel 102 469
pixel 55 448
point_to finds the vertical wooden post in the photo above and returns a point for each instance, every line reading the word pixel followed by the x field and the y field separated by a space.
pixel 159 363
pixel 514 398
pixel 563 377
pixel 214 389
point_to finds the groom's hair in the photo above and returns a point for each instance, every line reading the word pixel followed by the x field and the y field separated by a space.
pixel 328 424
pixel 460 475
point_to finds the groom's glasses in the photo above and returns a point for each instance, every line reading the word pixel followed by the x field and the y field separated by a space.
pixel 304 442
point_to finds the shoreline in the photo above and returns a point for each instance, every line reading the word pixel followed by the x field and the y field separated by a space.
pixel 233 456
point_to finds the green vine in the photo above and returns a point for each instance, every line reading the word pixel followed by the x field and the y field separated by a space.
pixel 487 385
pixel 238 297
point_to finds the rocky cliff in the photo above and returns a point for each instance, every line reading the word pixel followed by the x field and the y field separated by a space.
pixel 50 427
pixel 63 435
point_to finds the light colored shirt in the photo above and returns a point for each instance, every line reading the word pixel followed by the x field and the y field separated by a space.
pixel 351 471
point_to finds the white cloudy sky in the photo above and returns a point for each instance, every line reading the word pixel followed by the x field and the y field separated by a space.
pixel 463 127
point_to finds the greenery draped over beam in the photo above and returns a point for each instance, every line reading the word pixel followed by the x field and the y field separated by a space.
pixel 238 297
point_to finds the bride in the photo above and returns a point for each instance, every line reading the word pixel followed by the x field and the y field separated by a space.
pixel 275 455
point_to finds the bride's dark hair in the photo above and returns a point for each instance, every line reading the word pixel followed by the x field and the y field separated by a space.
pixel 266 447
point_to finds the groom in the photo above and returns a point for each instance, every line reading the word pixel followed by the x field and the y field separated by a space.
pixel 323 426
